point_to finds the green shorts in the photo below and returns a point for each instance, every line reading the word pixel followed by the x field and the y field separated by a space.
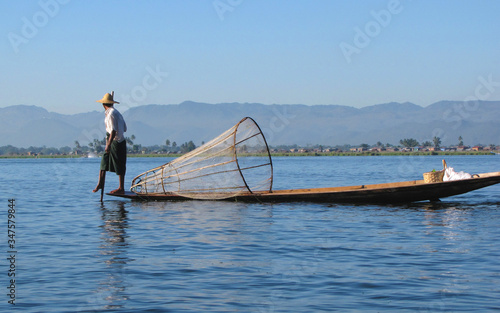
pixel 116 159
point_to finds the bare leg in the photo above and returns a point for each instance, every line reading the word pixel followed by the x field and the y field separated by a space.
pixel 121 189
pixel 100 183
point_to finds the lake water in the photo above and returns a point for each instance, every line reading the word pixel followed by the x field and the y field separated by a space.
pixel 74 254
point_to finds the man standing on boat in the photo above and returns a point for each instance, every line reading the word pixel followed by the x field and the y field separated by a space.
pixel 115 153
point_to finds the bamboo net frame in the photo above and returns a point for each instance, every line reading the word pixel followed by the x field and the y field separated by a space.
pixel 237 161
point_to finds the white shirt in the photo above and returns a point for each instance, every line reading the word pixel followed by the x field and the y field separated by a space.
pixel 114 121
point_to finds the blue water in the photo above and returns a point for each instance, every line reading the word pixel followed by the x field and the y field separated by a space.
pixel 75 254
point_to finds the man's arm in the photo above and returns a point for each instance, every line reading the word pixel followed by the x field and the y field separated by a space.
pixel 110 140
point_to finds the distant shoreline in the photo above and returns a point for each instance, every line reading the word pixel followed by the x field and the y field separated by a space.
pixel 290 154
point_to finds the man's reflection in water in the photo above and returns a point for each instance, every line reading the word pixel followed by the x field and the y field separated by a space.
pixel 111 290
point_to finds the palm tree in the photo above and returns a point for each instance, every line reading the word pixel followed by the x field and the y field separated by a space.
pixel 130 141
pixel 409 142
pixel 77 148
pixel 460 141
pixel 437 142
pixel 96 145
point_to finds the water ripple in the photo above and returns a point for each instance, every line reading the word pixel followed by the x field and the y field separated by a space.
pixel 77 255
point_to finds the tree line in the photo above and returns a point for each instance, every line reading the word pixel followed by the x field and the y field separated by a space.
pixel 97 146
pixel 436 142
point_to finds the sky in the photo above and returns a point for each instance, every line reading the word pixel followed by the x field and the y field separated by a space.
pixel 63 55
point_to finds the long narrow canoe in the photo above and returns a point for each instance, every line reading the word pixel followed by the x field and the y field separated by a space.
pixel 400 192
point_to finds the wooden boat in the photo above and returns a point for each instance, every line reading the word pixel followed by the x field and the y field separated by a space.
pixel 399 192
pixel 225 169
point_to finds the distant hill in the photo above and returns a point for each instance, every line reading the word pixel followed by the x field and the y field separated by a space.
pixel 477 123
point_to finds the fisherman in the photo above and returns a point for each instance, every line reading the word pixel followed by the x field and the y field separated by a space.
pixel 115 153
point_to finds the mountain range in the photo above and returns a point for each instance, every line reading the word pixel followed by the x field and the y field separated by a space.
pixel 476 122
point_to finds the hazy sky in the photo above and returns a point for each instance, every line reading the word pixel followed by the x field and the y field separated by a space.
pixel 64 55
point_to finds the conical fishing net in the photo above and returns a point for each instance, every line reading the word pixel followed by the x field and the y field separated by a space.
pixel 235 162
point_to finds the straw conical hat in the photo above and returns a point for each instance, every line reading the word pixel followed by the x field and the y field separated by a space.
pixel 108 98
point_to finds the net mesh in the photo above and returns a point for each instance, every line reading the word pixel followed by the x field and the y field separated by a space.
pixel 235 162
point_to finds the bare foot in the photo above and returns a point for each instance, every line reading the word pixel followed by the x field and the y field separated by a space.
pixel 117 191
pixel 97 188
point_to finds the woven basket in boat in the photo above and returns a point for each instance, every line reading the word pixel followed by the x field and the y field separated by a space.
pixel 433 177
